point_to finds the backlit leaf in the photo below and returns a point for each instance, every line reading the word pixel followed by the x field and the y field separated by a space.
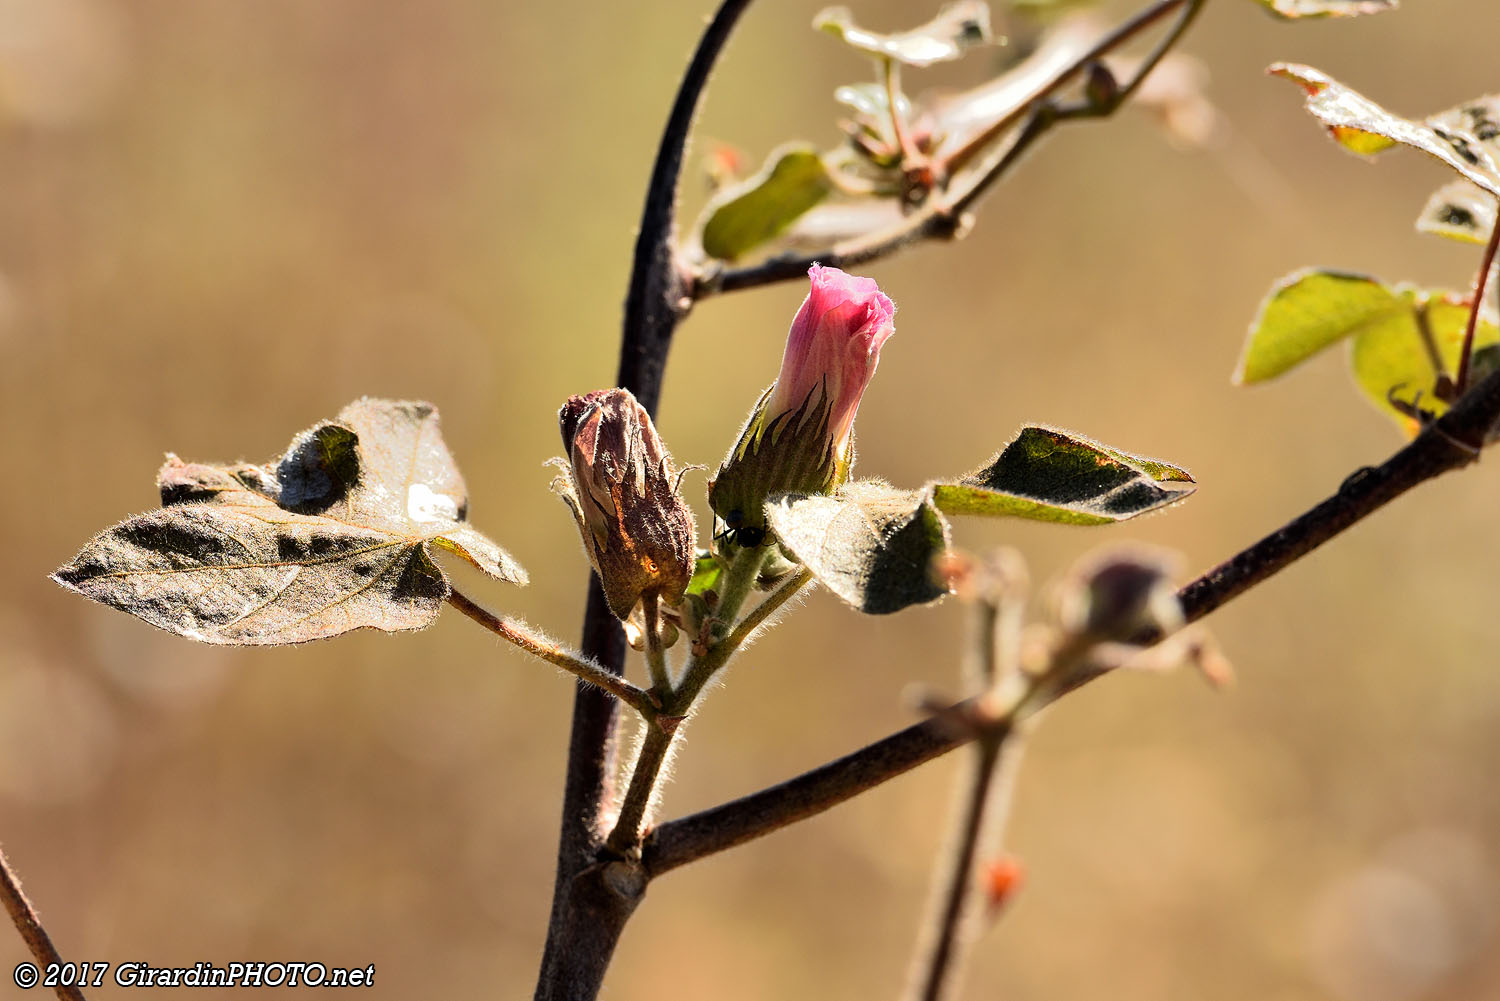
pixel 1051 475
pixel 1393 359
pixel 1459 210
pixel 957 27
pixel 760 208
pixel 1295 9
pixel 1311 310
pixel 871 544
pixel 1464 138
pixel 334 536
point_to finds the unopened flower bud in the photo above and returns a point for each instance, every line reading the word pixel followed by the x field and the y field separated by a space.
pixel 637 531
pixel 799 438
pixel 1121 594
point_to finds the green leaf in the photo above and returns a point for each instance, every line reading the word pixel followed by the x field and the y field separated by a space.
pixel 334 536
pixel 1310 310
pixel 1393 359
pixel 707 571
pixel 956 28
pixel 1459 210
pixel 1051 475
pixel 1295 9
pixel 1463 138
pixel 870 544
pixel 760 208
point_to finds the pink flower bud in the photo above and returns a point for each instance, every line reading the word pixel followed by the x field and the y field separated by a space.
pixel 799 438
pixel 637 531
pixel 834 347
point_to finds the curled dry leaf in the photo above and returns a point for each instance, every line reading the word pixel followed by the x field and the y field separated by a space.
pixel 334 536
pixel 1466 138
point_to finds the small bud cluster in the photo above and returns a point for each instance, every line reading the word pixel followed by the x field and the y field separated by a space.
pixel 619 481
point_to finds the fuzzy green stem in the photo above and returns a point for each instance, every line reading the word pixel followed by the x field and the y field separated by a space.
pixel 656 657
pixel 517 632
pixel 758 615
pixel 739 580
pixel 643 781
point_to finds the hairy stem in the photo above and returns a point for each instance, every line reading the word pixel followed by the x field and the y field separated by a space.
pixel 642 790
pixel 23 916
pixel 768 606
pixel 738 582
pixel 517 632
pixel 656 657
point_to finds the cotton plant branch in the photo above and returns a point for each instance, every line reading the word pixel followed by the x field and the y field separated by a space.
pixel 30 926
pixel 1451 442
pixel 514 631
pixel 942 215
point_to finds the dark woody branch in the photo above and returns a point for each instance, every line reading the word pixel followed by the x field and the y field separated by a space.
pixel 1451 442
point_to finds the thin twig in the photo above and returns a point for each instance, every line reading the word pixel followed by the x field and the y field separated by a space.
pixel 515 631
pixel 940 217
pixel 891 72
pixel 1447 444
pixel 30 926
pixel 1480 281
pixel 940 949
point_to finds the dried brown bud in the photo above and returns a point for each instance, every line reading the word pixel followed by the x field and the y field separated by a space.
pixel 636 530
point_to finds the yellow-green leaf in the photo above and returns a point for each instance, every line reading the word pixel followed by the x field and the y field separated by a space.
pixel 762 207
pixel 1310 310
pixel 1394 359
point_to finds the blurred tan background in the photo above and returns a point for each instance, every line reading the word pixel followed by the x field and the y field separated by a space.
pixel 221 221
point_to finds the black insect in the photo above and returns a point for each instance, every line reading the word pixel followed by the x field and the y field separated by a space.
pixel 740 534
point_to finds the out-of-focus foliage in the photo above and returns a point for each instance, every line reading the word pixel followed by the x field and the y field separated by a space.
pixel 762 207
pixel 960 25
pixel 1294 9
pixel 1459 210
